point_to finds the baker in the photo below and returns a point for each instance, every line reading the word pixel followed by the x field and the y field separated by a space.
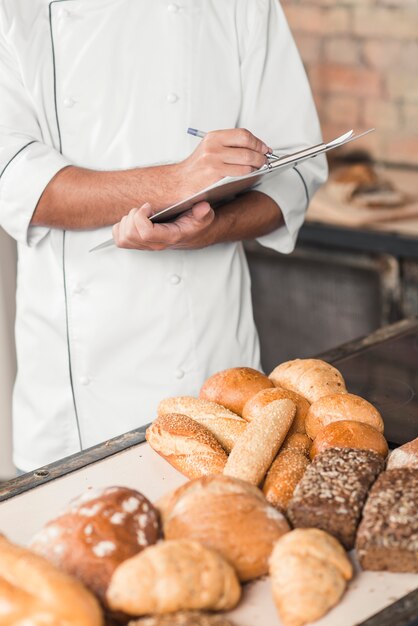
pixel 95 100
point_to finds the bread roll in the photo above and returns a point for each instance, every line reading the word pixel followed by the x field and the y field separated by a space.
pixel 255 450
pixel 287 470
pixel 309 571
pixel 184 618
pixel 310 378
pixel 229 516
pixel 234 387
pixel 99 530
pixel 349 434
pixel 404 456
pixel 173 576
pixel 186 445
pixel 255 405
pixel 338 407
pixel 222 423
pixel 34 592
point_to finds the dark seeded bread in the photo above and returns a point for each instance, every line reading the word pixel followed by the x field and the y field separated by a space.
pixel 332 492
pixel 387 538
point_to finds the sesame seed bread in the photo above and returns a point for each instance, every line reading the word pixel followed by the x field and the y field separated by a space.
pixel 255 405
pixel 187 445
pixel 225 425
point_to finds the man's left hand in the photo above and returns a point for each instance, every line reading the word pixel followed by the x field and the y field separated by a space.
pixel 190 230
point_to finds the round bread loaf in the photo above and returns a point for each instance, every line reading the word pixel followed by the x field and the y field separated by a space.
pixel 229 516
pixel 310 378
pixel 34 592
pixel 338 407
pixel 255 405
pixel 349 434
pixel 99 530
pixel 232 388
pixel 404 456
pixel 174 576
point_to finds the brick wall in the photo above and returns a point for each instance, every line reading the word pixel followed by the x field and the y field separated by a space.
pixel 362 60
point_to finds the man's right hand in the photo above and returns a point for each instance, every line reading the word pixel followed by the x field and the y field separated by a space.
pixel 220 153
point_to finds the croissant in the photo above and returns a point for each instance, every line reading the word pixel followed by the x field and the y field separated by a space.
pixel 309 571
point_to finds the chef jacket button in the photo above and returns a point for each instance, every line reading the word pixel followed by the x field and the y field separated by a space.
pixel 77 289
pixel 84 380
pixel 175 279
pixel 64 13
pixel 69 102
pixel 173 8
pixel 172 98
pixel 180 373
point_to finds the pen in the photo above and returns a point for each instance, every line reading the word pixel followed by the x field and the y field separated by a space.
pixel 201 133
pixel 196 133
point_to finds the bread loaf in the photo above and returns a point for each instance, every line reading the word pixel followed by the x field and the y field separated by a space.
pixel 34 592
pixel 309 571
pixel 404 456
pixel 349 434
pixel 387 538
pixel 310 378
pixel 255 450
pixel 99 530
pixel 338 407
pixel 226 515
pixel 234 387
pixel 173 576
pixel 255 405
pixel 222 423
pixel 287 470
pixel 186 445
pixel 333 490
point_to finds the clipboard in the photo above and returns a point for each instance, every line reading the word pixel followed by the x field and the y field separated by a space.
pixel 231 186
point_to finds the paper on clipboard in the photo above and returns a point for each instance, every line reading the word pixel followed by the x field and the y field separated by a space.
pixel 229 187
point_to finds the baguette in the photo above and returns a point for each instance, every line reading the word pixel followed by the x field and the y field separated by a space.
pixel 286 471
pixel 225 425
pixel 186 445
pixel 258 445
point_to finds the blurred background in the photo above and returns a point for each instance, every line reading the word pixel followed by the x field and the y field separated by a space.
pixel 355 267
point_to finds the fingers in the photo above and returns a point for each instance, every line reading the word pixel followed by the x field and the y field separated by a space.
pixel 238 138
pixel 136 231
pixel 245 157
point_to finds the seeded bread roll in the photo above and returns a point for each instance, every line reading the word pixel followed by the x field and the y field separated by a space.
pixel 173 576
pixel 186 445
pixel 287 470
pixel 309 571
pixel 224 425
pixel 99 530
pixel 338 407
pixel 332 492
pixel 255 450
pixel 310 378
pixel 255 405
pixel 35 593
pixel 226 515
pixel 387 539
pixel 188 618
pixel 234 387
pixel 349 434
pixel 404 456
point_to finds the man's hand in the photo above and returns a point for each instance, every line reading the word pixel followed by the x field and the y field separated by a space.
pixel 136 231
pixel 220 153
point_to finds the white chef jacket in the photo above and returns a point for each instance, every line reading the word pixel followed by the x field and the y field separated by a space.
pixel 114 84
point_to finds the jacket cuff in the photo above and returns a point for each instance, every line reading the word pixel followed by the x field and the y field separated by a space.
pixel 22 183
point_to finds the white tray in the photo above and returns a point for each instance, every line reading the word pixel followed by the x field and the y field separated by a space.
pixel 141 468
